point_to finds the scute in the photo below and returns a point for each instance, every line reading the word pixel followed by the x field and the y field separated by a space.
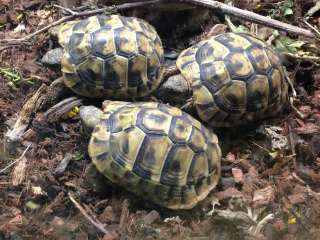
pixel 103 42
pixel 233 41
pixel 259 59
pixel 175 172
pixel 157 152
pixel 214 75
pixel 180 129
pixel 258 93
pixel 239 65
pixel 232 98
pixel 130 48
pixel 151 158
pixel 236 78
pixel 155 121
pixel 79 47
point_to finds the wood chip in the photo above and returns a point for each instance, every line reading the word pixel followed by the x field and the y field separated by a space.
pixel 237 175
pixel 151 217
pixel 107 216
pixel 297 198
pixel 263 196
pixel 228 193
pixel 19 171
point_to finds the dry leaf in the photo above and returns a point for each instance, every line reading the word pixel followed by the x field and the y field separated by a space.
pixel 216 30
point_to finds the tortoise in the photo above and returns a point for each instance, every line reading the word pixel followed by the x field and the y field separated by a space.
pixel 111 56
pixel 235 79
pixel 153 150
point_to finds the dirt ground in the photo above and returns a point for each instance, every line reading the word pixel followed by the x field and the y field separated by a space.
pixel 270 185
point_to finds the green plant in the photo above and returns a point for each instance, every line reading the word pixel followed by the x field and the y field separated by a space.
pixel 283 8
pixel 11 74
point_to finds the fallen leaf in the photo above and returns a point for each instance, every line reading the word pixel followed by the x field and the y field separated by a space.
pixel 32 205
pixel 217 29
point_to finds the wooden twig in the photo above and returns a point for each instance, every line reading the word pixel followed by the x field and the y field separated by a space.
pixel 314 29
pixel 292 145
pixel 226 9
pixel 75 15
pixel 124 217
pixel 98 225
pixel 65 9
pixel 314 9
pixel 252 17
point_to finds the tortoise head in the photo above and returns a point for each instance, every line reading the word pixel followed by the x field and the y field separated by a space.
pixel 90 117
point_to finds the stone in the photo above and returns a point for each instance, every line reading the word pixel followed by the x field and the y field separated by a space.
pixel 52 58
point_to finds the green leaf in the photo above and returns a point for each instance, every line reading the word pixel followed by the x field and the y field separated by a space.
pixel 32 205
pixel 241 29
pixel 297 44
pixel 288 12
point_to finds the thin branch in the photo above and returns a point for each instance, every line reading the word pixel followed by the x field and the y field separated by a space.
pixel 75 15
pixel 98 225
pixel 300 114
pixel 65 9
pixel 229 10
pixel 252 17
pixel 312 27
pixel 292 145
pixel 17 160
pixel 24 39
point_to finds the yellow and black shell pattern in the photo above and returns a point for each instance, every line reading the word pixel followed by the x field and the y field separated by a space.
pixel 236 78
pixel 111 56
pixel 156 151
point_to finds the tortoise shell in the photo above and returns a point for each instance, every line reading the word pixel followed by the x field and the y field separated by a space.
pixel 157 152
pixel 235 78
pixel 111 56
